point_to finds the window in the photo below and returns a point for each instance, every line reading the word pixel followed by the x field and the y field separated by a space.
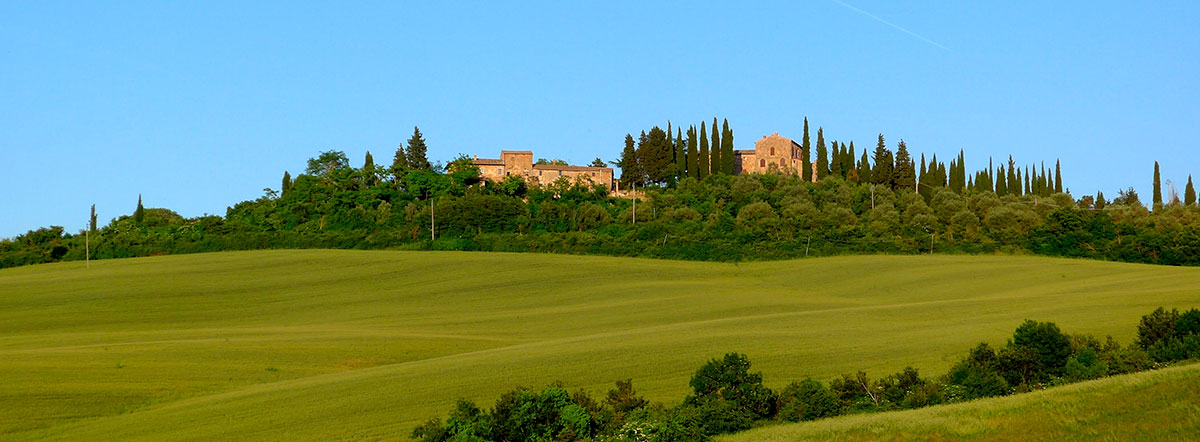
pixel 772 151
pixel 782 162
pixel 762 163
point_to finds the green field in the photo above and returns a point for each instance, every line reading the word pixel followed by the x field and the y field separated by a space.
pixel 1154 405
pixel 362 345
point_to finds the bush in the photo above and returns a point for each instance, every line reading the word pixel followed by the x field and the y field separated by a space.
pixel 806 400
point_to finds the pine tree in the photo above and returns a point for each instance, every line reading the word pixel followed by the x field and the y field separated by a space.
pixel 822 155
pixel 715 163
pixel 1189 196
pixel 655 156
pixel 864 169
pixel 906 175
pixel 882 173
pixel 417 158
pixel 693 155
pixel 399 162
pixel 705 169
pixel 806 169
pixel 727 155
pixel 680 154
pixel 286 185
pixel 92 218
pixel 1058 188
pixel 139 214
pixel 1157 186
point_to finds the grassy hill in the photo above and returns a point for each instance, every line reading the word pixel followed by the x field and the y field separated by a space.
pixel 336 345
pixel 1155 405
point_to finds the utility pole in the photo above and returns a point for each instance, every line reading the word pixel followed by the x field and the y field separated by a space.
pixel 931 243
pixel 87 246
pixel 432 225
pixel 809 243
pixel 633 194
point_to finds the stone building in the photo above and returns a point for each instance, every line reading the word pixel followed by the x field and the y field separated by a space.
pixel 772 152
pixel 520 163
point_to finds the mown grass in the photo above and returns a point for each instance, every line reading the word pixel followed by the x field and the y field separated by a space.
pixel 338 345
pixel 1155 405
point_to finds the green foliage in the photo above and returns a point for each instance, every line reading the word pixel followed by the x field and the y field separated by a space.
pixel 327 163
pixel 727 384
pixel 139 214
pixel 1049 346
pixel 415 153
pixel 704 155
pixel 1189 193
pixel 1156 326
pixel 806 400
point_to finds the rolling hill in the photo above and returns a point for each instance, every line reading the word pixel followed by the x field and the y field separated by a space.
pixel 363 345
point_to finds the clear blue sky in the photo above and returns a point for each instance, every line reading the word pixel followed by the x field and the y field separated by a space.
pixel 200 105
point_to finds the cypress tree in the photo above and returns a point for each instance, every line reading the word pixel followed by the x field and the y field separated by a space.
pixel 92 218
pixel 1100 202
pixel 693 156
pixel 822 155
pixel 628 162
pixel 368 162
pixel 139 214
pixel 1028 186
pixel 1042 182
pixel 864 169
pixel 1189 197
pixel 882 173
pixel 727 155
pixel 1157 186
pixel 704 155
pixel 906 176
pixel 715 163
pixel 417 151
pixel 680 155
pixel 849 166
pixel 962 171
pixel 1001 185
pixel 835 163
pixel 1058 188
pixel 1010 180
pixel 287 183
pixel 806 169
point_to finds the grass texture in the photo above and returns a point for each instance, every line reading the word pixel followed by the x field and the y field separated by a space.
pixel 363 345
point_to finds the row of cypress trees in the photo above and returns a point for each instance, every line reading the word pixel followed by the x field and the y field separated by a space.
pixel 1189 191
pixel 663 157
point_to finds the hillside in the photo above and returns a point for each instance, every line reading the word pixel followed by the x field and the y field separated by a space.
pixel 321 345
pixel 1155 405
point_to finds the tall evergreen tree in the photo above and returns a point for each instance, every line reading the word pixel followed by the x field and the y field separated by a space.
pixel 715 163
pixel 835 162
pixel 286 185
pixel 1189 195
pixel 882 173
pixel 962 171
pixel 368 162
pixel 368 169
pixel 693 155
pixel 628 162
pixel 417 158
pixel 1100 202
pixel 92 217
pixel 399 162
pixel 139 214
pixel 906 175
pixel 1058 188
pixel 655 156
pixel 864 169
pixel 849 161
pixel 822 155
pixel 1001 184
pixel 806 169
pixel 1010 179
pixel 1157 186
pixel 1028 186
pixel 705 169
pixel 1042 181
pixel 727 156
pixel 680 155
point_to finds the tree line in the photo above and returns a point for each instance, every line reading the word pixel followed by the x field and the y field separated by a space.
pixel 884 202
pixel 726 397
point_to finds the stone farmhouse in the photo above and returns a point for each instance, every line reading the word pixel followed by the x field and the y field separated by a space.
pixel 520 163
pixel 772 152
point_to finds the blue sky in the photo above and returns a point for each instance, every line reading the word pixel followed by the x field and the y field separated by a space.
pixel 198 106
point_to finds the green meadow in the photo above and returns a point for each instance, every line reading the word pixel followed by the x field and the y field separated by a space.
pixel 363 345
pixel 1153 405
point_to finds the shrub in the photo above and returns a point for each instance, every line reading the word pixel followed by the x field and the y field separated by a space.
pixel 806 400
